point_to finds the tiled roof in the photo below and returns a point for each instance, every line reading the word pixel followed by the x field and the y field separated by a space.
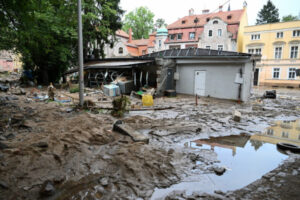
pixel 233 28
pixel 189 20
pixel 140 42
pixel 122 33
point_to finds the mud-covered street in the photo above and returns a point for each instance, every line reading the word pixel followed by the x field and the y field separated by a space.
pixel 51 150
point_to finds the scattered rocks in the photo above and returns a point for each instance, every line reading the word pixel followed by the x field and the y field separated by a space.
pixel 281 174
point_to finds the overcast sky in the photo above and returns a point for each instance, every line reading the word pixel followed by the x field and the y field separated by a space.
pixel 171 10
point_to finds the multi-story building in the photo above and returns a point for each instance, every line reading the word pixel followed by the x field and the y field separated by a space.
pixel 9 61
pixel 221 30
pixel 279 46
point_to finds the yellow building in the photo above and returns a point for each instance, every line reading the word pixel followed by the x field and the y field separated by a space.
pixel 279 46
pixel 282 131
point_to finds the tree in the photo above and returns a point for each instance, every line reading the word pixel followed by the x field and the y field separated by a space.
pixel 159 23
pixel 288 18
pixel 268 14
pixel 45 32
pixel 140 21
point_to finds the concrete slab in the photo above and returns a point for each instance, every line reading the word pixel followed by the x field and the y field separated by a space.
pixel 136 136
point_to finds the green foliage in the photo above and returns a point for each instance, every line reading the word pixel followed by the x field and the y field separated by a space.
pixel 288 18
pixel 268 14
pixel 45 32
pixel 120 105
pixel 74 90
pixel 140 21
pixel 159 23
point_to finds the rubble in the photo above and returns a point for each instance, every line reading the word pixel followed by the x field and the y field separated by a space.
pixel 68 153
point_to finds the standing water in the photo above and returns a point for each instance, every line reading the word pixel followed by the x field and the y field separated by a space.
pixel 245 158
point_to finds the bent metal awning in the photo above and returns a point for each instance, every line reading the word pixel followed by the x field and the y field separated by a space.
pixel 113 64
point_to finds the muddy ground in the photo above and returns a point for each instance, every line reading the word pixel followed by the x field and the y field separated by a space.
pixel 51 150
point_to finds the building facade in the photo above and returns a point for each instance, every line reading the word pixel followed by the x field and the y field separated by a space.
pixel 220 30
pixel 279 46
pixel 9 61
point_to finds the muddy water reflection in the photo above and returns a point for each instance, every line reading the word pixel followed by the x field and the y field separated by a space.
pixel 245 158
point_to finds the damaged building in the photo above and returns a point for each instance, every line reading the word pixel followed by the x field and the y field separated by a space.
pixel 205 72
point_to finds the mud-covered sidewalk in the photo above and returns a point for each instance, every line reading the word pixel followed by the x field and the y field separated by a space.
pixel 50 150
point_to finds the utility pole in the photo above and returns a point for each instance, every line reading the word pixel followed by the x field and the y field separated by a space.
pixel 80 54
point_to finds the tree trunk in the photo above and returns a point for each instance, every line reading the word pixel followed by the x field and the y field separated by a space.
pixel 44 76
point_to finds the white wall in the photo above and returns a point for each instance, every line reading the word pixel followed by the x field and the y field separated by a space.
pixel 219 80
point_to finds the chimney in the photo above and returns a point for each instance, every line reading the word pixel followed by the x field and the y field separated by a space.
pixel 191 12
pixel 130 35
pixel 220 8
pixel 205 11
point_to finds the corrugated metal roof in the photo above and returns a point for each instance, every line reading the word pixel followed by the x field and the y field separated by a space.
pixel 192 52
pixel 111 64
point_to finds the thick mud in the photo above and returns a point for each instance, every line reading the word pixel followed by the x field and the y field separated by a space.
pixel 53 151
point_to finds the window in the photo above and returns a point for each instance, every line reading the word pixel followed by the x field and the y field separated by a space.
pixel 172 37
pixel 255 36
pixel 207 19
pixel 294 51
pixel 270 132
pixel 219 32
pixel 159 43
pixel 258 51
pixel 179 36
pixel 220 47
pixel 210 33
pixel 192 35
pixel 292 73
pixel 215 22
pixel 285 134
pixel 120 50
pixel 279 35
pixel 296 33
pixel 278 52
pixel 174 47
pixel 299 137
pixel 207 47
pixel 183 22
pixel 229 17
pixel 251 51
pixel 143 52
pixel 276 72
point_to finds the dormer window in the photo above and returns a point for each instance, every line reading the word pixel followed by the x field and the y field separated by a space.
pixel 207 19
pixel 183 22
pixel 215 22
pixel 229 17
pixel 120 50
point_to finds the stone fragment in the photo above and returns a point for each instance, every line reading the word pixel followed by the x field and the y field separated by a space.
pixel 219 170
pixel 3 185
pixel 3 146
pixel 41 144
pixel 237 116
pixel 47 189
pixel 103 181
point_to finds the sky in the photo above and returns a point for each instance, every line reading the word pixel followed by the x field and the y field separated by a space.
pixel 171 10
